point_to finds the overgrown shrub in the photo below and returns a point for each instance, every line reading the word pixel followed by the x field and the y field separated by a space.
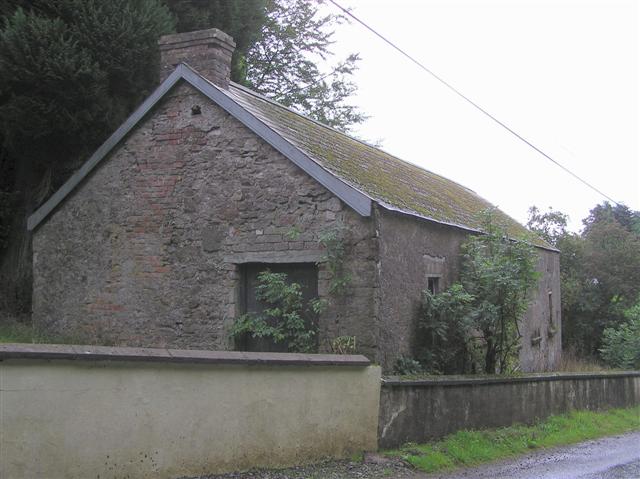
pixel 443 328
pixel 406 366
pixel 621 345
pixel 482 311
pixel 283 321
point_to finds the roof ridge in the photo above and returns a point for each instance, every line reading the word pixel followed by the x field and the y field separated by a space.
pixel 359 140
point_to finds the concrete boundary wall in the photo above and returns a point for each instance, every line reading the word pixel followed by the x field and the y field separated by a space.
pixel 89 412
pixel 423 410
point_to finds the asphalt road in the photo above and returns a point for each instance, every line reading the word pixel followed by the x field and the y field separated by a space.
pixel 616 457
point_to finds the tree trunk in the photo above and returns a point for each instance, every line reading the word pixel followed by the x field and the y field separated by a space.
pixel 16 275
pixel 490 358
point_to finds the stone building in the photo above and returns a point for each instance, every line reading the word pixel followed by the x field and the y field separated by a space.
pixel 156 240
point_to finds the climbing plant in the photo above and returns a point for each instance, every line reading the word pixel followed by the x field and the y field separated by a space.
pixel 332 242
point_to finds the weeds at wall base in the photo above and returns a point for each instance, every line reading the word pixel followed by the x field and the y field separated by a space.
pixel 471 448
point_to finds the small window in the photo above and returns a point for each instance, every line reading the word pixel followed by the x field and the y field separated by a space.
pixel 433 284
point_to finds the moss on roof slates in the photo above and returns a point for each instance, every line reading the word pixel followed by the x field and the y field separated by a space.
pixel 383 177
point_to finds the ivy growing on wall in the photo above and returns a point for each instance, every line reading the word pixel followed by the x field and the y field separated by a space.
pixel 332 241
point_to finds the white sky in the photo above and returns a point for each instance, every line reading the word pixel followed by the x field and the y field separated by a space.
pixel 563 73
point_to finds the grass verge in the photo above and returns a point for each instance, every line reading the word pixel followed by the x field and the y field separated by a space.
pixel 470 448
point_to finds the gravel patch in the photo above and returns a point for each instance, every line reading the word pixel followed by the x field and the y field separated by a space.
pixel 372 467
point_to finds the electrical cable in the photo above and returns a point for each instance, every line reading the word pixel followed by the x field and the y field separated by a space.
pixel 474 104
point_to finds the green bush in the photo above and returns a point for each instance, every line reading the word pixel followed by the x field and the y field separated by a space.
pixel 442 328
pixel 344 345
pixel 283 320
pixel 621 345
pixel 479 315
pixel 406 366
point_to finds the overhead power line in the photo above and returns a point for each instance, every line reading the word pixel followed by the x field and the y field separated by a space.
pixel 468 100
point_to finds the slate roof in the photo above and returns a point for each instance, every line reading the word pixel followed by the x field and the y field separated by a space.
pixel 356 172
pixel 389 181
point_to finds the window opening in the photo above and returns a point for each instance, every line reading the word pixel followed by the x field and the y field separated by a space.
pixel 433 284
pixel 305 274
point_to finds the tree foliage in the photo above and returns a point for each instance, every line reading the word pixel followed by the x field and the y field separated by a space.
pixel 599 271
pixel 71 70
pixel 242 19
pixel 550 225
pixel 496 277
pixel 621 344
pixel 279 44
pixel 283 64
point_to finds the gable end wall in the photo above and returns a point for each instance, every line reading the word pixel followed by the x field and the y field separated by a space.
pixel 146 251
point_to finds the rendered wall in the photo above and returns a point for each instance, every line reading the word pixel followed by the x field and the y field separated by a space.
pixel 419 411
pixel 411 250
pixel 146 252
pixel 89 418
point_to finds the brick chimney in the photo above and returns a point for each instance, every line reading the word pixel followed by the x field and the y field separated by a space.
pixel 207 51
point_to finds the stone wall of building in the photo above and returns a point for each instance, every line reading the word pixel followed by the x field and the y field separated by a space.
pixel 541 331
pixel 147 251
pixel 411 251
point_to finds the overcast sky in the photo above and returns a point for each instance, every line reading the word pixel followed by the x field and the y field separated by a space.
pixel 563 73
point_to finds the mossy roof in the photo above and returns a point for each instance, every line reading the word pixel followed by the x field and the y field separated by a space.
pixel 389 181
pixel 353 170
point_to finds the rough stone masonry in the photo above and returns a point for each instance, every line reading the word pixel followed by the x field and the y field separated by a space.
pixel 149 249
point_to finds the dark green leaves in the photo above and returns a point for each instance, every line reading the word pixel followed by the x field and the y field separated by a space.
pixel 482 311
pixel 71 70
pixel 282 320
pixel 599 270
pixel 283 64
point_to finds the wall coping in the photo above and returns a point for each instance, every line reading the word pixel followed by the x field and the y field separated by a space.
pixel 192 356
pixel 396 381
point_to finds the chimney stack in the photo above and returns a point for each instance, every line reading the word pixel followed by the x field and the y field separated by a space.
pixel 206 51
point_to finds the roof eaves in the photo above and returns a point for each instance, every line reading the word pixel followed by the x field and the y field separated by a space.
pixel 414 214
